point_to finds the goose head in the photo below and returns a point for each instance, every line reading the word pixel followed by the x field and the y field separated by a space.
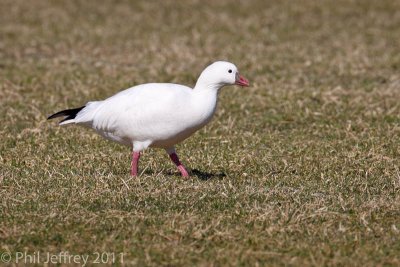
pixel 220 74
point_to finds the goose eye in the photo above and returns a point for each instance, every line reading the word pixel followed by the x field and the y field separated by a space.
pixel 230 71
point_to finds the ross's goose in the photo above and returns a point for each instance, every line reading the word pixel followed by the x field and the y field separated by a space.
pixel 156 114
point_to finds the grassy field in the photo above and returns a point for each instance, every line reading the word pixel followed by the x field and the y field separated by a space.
pixel 300 169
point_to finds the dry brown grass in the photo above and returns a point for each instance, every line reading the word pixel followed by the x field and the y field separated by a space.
pixel 300 169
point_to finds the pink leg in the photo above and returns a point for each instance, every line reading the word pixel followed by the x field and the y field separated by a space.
pixel 135 163
pixel 181 168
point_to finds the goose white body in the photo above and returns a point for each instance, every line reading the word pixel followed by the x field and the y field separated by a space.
pixel 156 114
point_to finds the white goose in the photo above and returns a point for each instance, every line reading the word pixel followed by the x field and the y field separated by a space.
pixel 156 114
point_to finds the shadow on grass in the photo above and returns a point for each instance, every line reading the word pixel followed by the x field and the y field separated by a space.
pixel 194 173
pixel 207 175
pixel 204 176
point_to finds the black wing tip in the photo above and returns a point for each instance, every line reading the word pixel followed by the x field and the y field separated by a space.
pixel 55 115
pixel 69 113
